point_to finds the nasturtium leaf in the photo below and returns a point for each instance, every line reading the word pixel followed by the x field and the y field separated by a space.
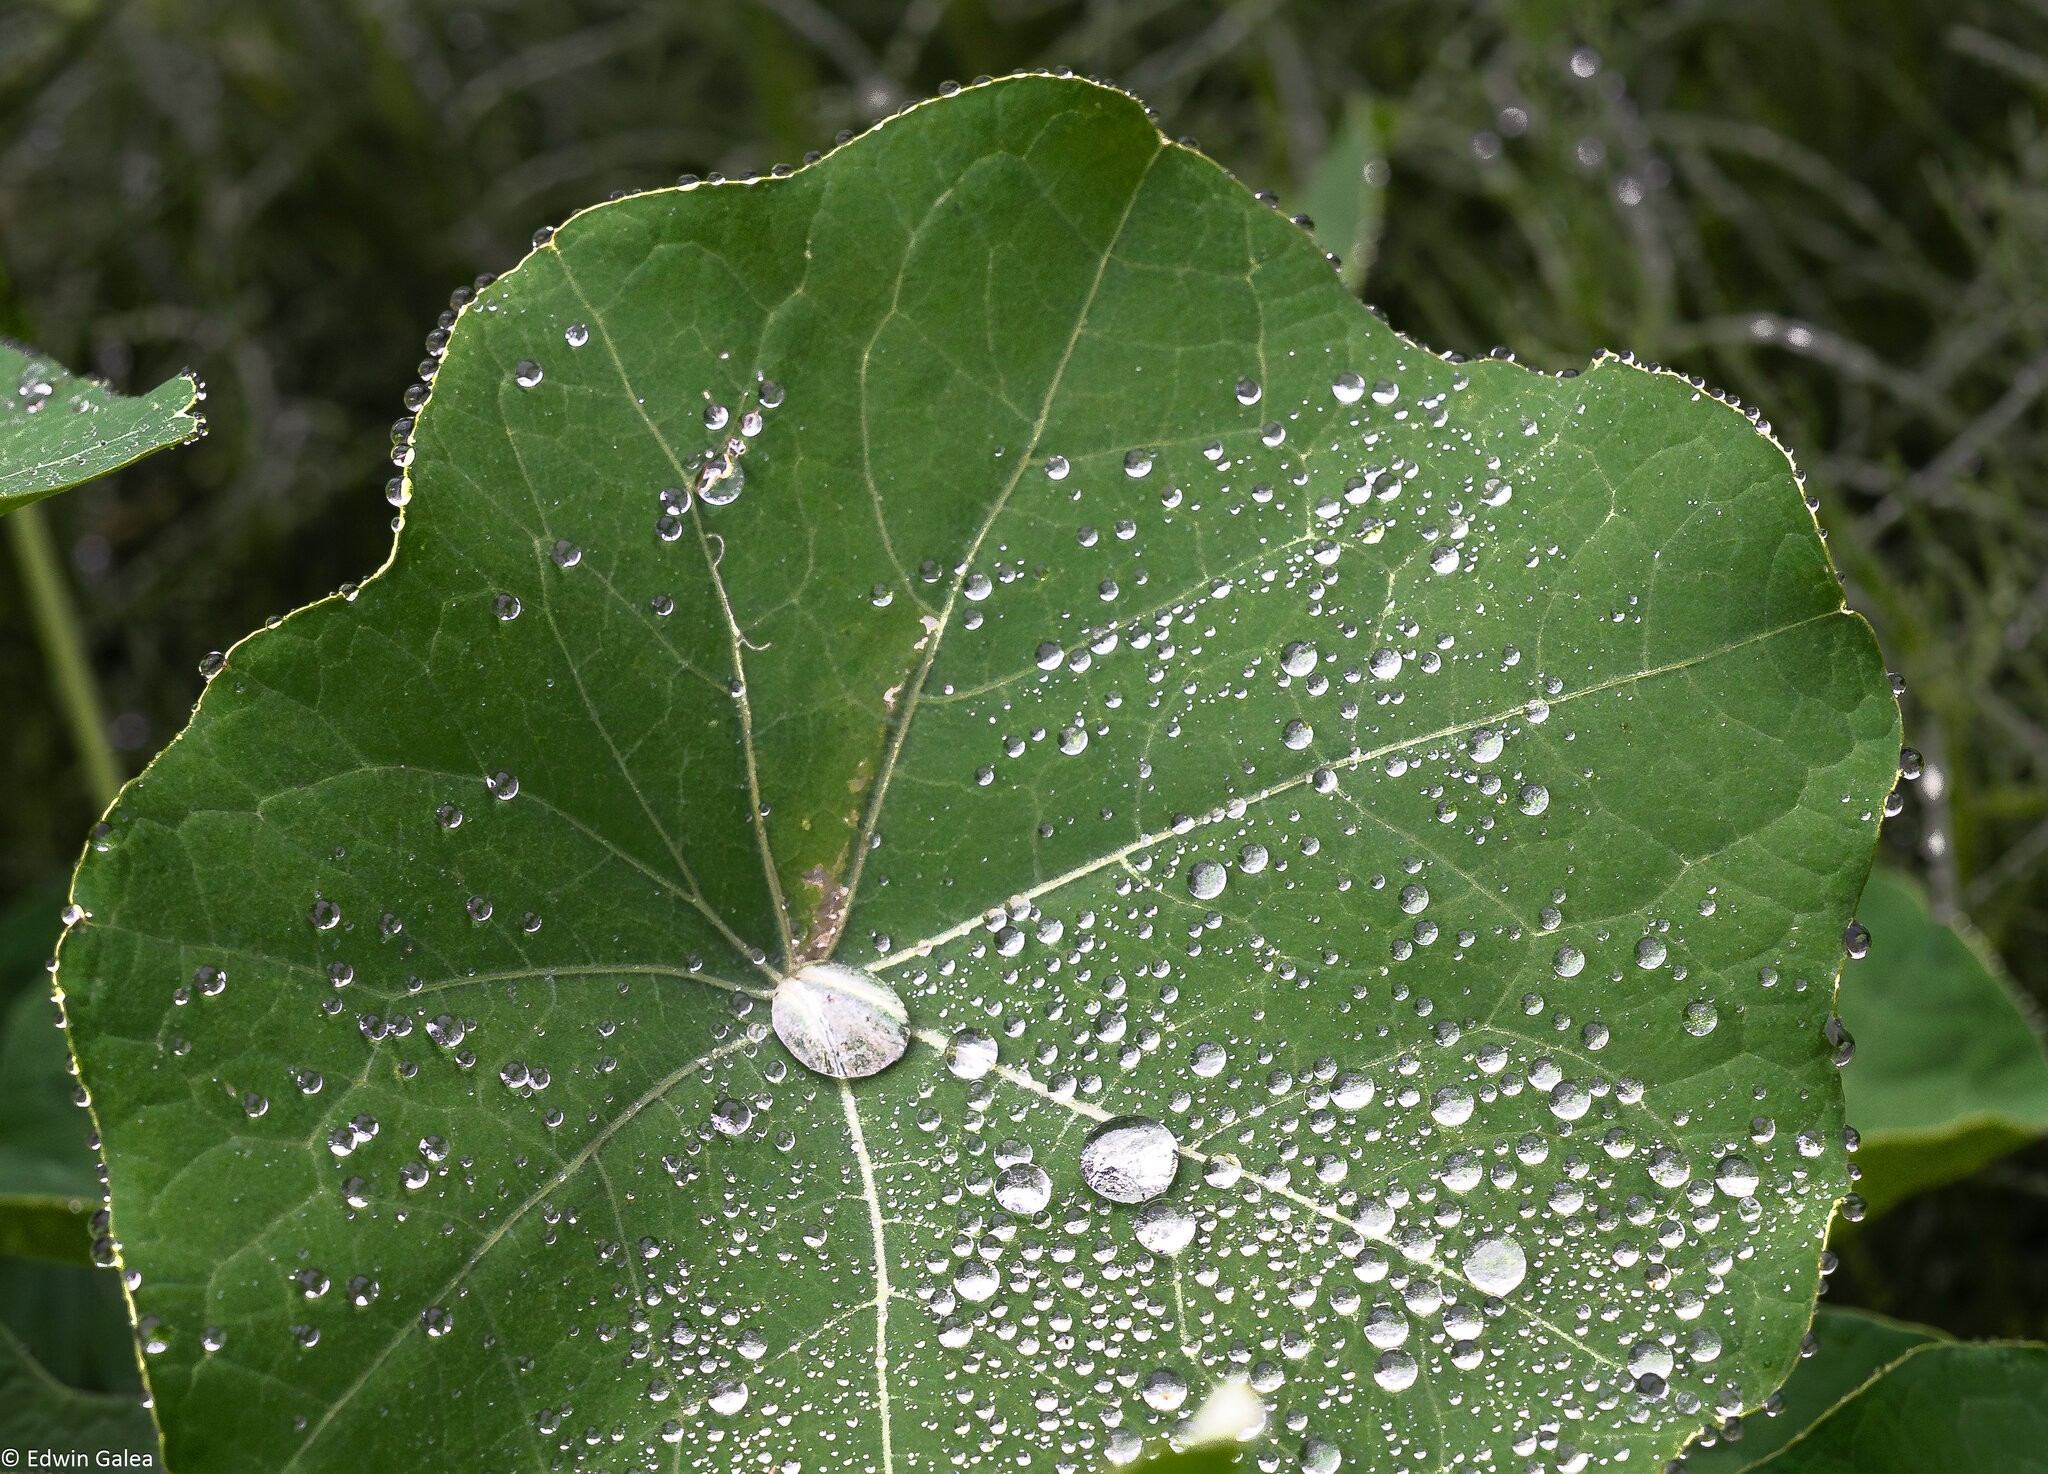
pixel 47 1181
pixel 1849 1348
pixel 996 584
pixel 57 430
pixel 1975 1406
pixel 1949 1072
pixel 37 1412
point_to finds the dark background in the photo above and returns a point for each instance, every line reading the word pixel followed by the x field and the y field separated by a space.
pixel 1835 209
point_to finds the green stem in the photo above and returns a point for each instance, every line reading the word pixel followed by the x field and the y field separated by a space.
pixel 57 626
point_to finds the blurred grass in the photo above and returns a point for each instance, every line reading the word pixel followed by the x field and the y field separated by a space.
pixel 1837 209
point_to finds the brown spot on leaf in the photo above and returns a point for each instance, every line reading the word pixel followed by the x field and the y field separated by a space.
pixel 830 916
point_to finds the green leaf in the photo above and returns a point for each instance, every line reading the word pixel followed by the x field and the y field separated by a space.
pixel 1343 198
pixel 37 1412
pixel 1949 1072
pixel 1177 694
pixel 58 431
pixel 1945 1405
pixel 47 1181
pixel 1850 1347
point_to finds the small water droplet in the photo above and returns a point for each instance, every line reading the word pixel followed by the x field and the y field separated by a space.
pixel 527 374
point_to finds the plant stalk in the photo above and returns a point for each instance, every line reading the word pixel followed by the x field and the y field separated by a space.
pixel 57 627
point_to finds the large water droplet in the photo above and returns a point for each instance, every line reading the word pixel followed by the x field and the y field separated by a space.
pixel 1495 1266
pixel 839 1021
pixel 1131 1159
pixel 1023 1189
pixel 1164 1228
pixel 970 1054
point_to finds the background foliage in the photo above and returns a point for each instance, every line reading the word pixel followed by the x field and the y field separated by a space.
pixel 1838 210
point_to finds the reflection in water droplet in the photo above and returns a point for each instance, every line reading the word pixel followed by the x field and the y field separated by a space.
pixel 1131 1159
pixel 1164 1228
pixel 1163 1389
pixel 1395 1371
pixel 1206 880
pixel 1024 1189
pixel 1495 1266
pixel 970 1054
pixel 839 1021
pixel 1701 1018
pixel 976 1281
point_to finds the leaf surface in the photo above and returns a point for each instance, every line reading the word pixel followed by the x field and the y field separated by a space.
pixel 1850 1347
pixel 37 1412
pixel 1433 793
pixel 1945 1405
pixel 1949 1072
pixel 47 1186
pixel 58 431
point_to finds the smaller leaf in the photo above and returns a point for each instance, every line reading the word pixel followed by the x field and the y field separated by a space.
pixel 58 431
pixel 1850 1347
pixel 1949 1072
pixel 1975 1407
pixel 47 1185
pixel 38 1412
pixel 1343 196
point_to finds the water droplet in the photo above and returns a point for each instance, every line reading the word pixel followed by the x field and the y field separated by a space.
pixel 1701 1017
pixel 1651 952
pixel 1298 659
pixel 840 1022
pixel 970 1054
pixel 1736 1177
pixel 1297 735
pixel 1206 880
pixel 727 1397
pixel 527 374
pixel 1385 664
pixel 1138 463
pixel 576 335
pixel 1395 1370
pixel 1496 1265
pixel 1164 1228
pixel 1248 391
pixel 732 1117
pixel 1056 467
pixel 436 1322
pixel 976 1281
pixel 1569 962
pixel 1349 388
pixel 212 664
pixel 1130 1159
pixel 565 553
pixel 1163 1389
pixel 1486 745
pixel 325 915
pixel 506 607
pixel 1023 1189
pixel 1386 391
pixel 1533 799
